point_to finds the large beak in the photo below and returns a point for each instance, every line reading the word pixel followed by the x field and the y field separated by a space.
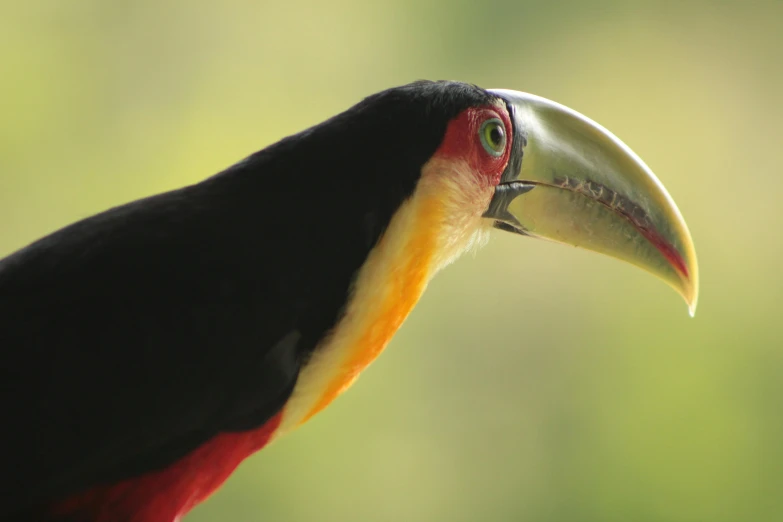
pixel 572 181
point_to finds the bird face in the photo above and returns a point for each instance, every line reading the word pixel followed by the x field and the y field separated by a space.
pixel 530 166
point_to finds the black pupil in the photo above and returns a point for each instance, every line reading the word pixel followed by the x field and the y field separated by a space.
pixel 496 135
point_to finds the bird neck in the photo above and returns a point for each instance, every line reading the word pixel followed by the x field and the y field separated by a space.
pixel 423 236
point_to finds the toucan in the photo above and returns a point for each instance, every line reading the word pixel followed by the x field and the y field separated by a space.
pixel 149 349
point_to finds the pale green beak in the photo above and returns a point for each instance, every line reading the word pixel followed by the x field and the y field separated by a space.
pixel 574 182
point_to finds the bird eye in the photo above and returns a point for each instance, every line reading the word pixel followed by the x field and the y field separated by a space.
pixel 493 136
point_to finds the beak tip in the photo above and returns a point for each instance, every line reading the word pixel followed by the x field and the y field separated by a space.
pixel 692 296
pixel 693 301
pixel 692 307
pixel 690 290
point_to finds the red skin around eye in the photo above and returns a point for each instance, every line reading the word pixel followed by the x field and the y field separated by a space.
pixel 462 141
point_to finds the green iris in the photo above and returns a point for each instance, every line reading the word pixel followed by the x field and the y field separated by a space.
pixel 493 136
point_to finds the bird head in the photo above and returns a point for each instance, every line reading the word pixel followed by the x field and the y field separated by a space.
pixel 520 163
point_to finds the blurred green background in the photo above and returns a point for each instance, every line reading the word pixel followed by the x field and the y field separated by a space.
pixel 534 381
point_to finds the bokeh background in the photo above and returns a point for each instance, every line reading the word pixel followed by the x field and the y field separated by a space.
pixel 534 381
